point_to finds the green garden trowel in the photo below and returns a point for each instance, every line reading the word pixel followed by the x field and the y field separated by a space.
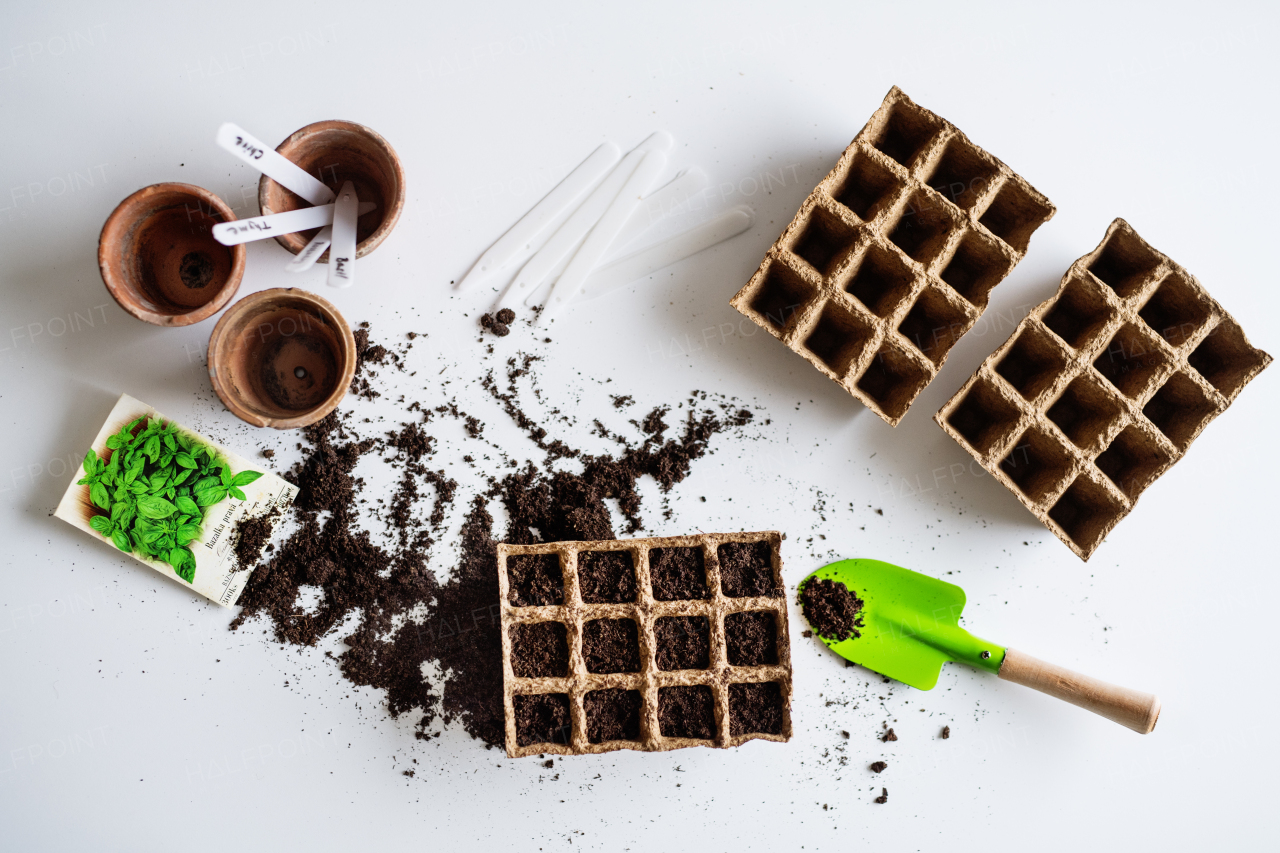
pixel 910 629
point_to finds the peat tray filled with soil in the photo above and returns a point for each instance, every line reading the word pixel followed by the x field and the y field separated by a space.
pixel 686 661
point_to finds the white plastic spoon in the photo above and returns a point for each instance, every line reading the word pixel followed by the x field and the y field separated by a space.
pixel 603 235
pixel 569 235
pixel 519 236
pixel 650 259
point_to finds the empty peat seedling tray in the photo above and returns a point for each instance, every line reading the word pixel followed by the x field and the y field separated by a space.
pixel 1102 387
pixel 172 499
pixel 893 256
pixel 646 644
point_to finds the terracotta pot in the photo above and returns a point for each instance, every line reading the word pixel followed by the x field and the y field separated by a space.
pixel 159 260
pixel 281 358
pixel 338 151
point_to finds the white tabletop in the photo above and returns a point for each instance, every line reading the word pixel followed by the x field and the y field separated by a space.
pixel 130 717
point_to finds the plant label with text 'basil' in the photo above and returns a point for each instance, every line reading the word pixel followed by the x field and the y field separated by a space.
pixel 170 498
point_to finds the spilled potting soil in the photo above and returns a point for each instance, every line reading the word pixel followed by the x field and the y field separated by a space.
pixel 407 616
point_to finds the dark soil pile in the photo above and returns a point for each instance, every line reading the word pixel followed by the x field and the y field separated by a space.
pixel 755 708
pixel 612 715
pixel 196 270
pixel 252 535
pixel 684 642
pixel 406 617
pixel 832 610
pixel 687 712
pixel 500 323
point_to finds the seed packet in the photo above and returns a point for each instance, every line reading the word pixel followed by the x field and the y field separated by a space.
pixel 171 498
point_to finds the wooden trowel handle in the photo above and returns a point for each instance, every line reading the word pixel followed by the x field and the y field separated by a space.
pixel 1130 708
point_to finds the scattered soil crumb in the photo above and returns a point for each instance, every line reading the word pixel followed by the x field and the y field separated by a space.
pixel 251 535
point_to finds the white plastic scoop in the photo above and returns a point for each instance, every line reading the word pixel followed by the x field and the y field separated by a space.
pixel 520 235
pixel 650 259
pixel 605 231
pixel 569 236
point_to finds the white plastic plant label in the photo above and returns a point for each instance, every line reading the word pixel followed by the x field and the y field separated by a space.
pixel 170 498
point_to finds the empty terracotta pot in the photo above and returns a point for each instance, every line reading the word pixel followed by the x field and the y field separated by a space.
pixel 281 358
pixel 334 152
pixel 158 257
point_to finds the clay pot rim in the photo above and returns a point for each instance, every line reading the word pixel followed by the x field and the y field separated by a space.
pixel 243 307
pixel 295 242
pixel 119 290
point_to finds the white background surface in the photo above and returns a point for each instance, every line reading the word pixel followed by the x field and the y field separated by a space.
pixel 131 719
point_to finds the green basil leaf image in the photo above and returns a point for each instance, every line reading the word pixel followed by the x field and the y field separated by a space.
pixel 127 513
pixel 182 476
pixel 184 563
pixel 115 442
pixel 117 507
pixel 122 541
pixel 187 533
pixel 185 460
pixel 165 543
pixel 134 470
pixel 98 493
pixel 153 507
pixel 236 493
pixel 225 474
pixel 152 448
pixel 168 440
pixel 101 523
pixel 187 506
pixel 210 495
pixel 244 478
